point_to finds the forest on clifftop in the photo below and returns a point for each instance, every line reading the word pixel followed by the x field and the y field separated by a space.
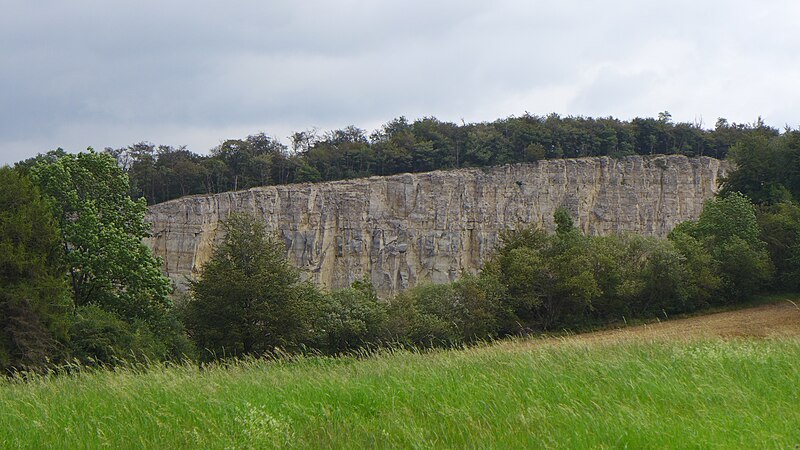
pixel 162 172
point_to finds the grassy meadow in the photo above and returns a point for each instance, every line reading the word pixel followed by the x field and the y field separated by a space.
pixel 740 393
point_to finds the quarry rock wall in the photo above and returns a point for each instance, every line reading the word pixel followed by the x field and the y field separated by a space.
pixel 401 230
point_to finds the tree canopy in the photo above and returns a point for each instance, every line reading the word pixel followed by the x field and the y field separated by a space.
pixel 728 230
pixel 101 231
pixel 767 168
pixel 121 306
pixel 159 173
pixel 34 301
pixel 248 299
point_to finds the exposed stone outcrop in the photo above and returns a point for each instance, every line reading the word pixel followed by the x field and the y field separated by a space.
pixel 402 229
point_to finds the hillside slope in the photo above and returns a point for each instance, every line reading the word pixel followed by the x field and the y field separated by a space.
pixel 773 321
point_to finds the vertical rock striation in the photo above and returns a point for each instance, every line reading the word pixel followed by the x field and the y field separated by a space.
pixel 403 229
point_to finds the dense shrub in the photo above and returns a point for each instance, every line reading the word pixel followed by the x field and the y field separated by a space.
pixel 424 316
pixel 565 279
pixel 479 299
pixel 703 281
pixel 348 319
pixel 728 230
pixel 97 336
pixel 466 310
pixel 780 230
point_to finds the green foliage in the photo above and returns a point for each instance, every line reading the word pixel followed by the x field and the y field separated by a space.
pixel 728 230
pixel 525 278
pixel 479 301
pixel 248 299
pixel 101 237
pixel 121 307
pixel 98 336
pixel 703 274
pixel 34 300
pixel 745 269
pixel 726 217
pixel 421 316
pixel 548 279
pixel 780 230
pixel 767 168
pixel 547 282
pixel 161 173
pixel 664 280
pixel 349 319
pixel 563 220
pixel 464 311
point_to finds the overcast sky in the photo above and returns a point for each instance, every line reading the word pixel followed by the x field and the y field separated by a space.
pixel 112 73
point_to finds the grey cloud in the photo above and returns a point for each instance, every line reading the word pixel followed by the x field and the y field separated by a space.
pixel 102 73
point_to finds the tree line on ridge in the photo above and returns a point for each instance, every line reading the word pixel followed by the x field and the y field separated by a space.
pixel 160 172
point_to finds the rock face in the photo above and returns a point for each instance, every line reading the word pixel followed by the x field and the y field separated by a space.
pixel 403 229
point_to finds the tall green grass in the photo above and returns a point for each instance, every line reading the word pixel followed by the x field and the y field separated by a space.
pixel 727 394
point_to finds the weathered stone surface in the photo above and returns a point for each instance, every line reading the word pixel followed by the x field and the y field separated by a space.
pixel 403 229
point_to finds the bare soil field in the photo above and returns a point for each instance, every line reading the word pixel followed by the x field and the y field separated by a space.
pixel 775 320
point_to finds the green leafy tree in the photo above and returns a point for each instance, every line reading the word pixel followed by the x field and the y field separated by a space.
pixel 248 299
pixel 728 230
pixel 780 229
pixel 548 280
pixel 519 268
pixel 34 300
pixel 100 337
pixel 703 276
pixel 101 237
pixel 487 146
pixel 758 162
pixel 664 276
pixel 466 310
pixel 564 224
pixel 479 299
pixel 574 288
pixel 162 173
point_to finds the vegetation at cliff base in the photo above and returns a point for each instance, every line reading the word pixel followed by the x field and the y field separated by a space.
pixel 249 299
pixel 78 283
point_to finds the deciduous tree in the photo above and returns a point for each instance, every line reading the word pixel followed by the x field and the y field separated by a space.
pixel 248 299
pixel 34 300
pixel 101 236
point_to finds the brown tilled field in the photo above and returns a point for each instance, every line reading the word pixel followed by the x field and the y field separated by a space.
pixel 774 320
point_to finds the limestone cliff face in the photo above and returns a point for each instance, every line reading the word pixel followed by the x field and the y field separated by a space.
pixel 403 229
